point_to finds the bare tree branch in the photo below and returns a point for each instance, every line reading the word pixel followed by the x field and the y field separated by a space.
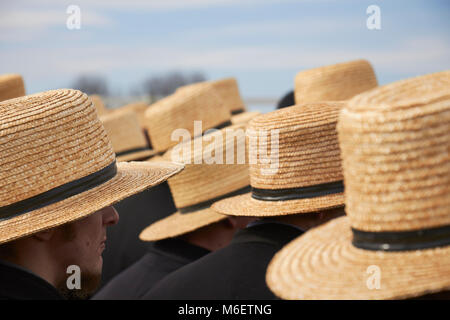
pixel 91 84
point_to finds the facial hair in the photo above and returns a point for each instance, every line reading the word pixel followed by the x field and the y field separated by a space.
pixel 89 283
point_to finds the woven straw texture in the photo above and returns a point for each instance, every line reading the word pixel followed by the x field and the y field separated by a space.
pixel 11 86
pixel 138 107
pixel 323 264
pixel 125 134
pixel 99 105
pixel 201 182
pixel 50 139
pixel 244 117
pixel 180 110
pixel 335 82
pixel 308 154
pixel 395 143
pixel 227 89
pixel 156 158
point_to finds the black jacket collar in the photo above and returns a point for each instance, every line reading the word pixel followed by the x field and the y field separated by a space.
pixel 271 232
pixel 19 284
pixel 177 248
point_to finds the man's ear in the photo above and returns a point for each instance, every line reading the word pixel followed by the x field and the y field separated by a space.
pixel 45 235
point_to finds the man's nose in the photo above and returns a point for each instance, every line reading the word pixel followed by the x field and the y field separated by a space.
pixel 110 216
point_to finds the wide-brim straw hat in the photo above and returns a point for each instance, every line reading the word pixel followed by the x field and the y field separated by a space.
pixel 336 82
pixel 99 105
pixel 228 91
pixel 395 143
pixel 138 108
pixel 57 164
pixel 11 86
pixel 126 135
pixel 180 111
pixel 309 174
pixel 244 117
pixel 200 184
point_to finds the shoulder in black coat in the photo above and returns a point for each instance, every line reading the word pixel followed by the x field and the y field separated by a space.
pixel 17 283
pixel 237 271
pixel 162 258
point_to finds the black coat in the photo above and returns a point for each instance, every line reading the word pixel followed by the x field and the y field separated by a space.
pixel 123 247
pixel 237 271
pixel 19 284
pixel 163 257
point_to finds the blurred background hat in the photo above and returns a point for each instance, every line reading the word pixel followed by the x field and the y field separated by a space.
pixel 180 110
pixel 99 105
pixel 335 82
pixel 127 137
pixel 11 86
pixel 202 184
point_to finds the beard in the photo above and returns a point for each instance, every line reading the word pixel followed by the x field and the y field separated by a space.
pixel 89 283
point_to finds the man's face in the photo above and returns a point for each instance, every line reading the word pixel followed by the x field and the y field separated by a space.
pixel 81 243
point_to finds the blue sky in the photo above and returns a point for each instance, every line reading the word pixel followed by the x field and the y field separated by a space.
pixel 263 43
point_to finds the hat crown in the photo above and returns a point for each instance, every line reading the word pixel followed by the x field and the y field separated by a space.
pixel 99 105
pixel 307 147
pixel 227 89
pixel 180 110
pixel 47 140
pixel 201 181
pixel 124 131
pixel 11 86
pixel 395 143
pixel 138 108
pixel 336 82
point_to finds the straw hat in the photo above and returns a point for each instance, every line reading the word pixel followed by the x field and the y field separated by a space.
pixel 180 110
pixel 99 105
pixel 200 184
pixel 309 174
pixel 11 86
pixel 127 137
pixel 335 82
pixel 227 89
pixel 57 164
pixel 138 107
pixel 244 117
pixel 395 143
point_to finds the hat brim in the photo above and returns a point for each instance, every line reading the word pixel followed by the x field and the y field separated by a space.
pixel 244 117
pixel 323 264
pixel 245 205
pixel 137 155
pixel 131 178
pixel 178 224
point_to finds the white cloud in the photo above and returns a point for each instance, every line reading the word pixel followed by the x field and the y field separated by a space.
pixel 305 27
pixel 30 19
pixel 26 25
pixel 413 55
pixel 153 5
